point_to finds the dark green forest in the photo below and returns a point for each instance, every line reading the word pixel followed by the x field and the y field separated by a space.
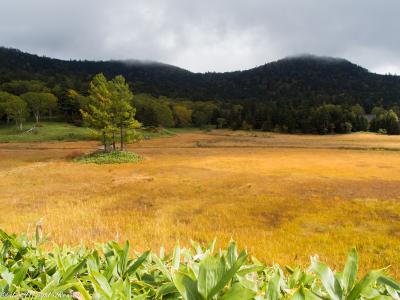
pixel 305 94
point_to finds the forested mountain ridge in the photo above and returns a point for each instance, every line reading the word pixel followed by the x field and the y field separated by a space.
pixel 301 78
pixel 296 94
pixel 149 77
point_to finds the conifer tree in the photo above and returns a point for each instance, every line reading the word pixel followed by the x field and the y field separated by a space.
pixel 109 109
pixel 97 112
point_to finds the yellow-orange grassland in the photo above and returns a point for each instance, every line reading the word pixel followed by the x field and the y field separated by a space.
pixel 283 197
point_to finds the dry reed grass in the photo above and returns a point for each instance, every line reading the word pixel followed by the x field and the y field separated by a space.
pixel 283 197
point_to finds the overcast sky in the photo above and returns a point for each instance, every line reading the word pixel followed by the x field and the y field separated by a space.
pixel 206 35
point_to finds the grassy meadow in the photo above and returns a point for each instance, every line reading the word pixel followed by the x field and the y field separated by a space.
pixel 45 131
pixel 283 197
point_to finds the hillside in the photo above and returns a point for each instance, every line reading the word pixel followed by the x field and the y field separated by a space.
pixel 307 78
pixel 310 78
pixel 306 93
pixel 150 77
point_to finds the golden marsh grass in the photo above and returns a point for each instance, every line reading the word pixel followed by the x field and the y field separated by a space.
pixel 284 197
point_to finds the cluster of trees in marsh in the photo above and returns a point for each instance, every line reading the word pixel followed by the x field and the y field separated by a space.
pixel 303 94
pixel 108 110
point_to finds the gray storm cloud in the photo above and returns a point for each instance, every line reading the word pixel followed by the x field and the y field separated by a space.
pixel 208 35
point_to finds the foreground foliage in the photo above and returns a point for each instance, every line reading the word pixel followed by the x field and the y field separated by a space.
pixel 108 272
pixel 113 157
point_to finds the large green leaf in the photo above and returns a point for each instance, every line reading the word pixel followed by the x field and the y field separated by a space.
pixel 349 275
pixel 6 275
pixel 137 263
pixel 162 268
pixel 247 282
pixel 121 289
pixel 197 247
pixel 176 258
pixel 298 295
pixel 211 246
pixel 123 259
pixel 369 279
pixel 250 269
pixel 110 268
pixel 390 282
pixel 304 294
pixel 238 292
pixel 100 284
pixel 228 275
pixel 166 289
pixel 20 274
pixel 381 297
pixel 186 286
pixel 72 271
pixel 81 289
pixel 274 287
pixel 328 279
pixel 211 271
pixel 53 282
pixel 231 254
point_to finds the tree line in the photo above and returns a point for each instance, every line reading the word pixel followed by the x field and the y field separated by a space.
pixel 32 99
pixel 21 99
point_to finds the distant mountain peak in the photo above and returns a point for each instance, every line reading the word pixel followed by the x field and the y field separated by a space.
pixel 317 58
pixel 316 62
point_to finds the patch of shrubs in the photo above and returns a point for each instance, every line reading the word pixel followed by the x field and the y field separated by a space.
pixel 113 157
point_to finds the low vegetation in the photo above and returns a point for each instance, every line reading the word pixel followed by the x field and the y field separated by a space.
pixel 160 132
pixel 197 273
pixel 112 157
pixel 46 131
pixel 59 131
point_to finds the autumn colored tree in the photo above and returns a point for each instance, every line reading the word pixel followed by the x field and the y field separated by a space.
pixel 16 109
pixel 386 121
pixel 182 116
pixel 40 103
